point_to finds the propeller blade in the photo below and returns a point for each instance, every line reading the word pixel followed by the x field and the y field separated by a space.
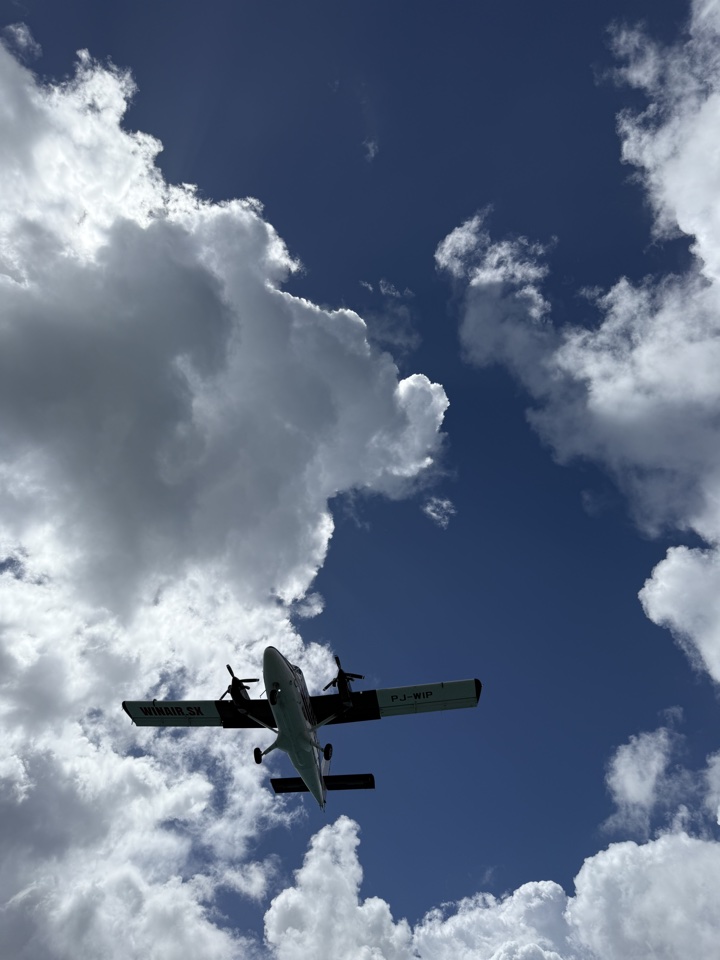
pixel 342 675
pixel 241 679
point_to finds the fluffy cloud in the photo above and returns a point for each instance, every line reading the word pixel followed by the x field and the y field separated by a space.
pixel 165 402
pixel 637 902
pixel 639 392
pixel 635 775
pixel 683 594
pixel 174 426
pixel 504 306
pixel 631 902
pixel 322 915
pixel 654 792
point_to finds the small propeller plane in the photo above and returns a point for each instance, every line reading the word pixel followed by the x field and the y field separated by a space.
pixel 296 717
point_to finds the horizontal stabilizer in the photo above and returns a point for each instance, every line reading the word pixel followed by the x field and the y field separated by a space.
pixel 345 781
pixel 350 781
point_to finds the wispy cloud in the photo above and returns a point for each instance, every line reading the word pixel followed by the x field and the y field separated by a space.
pixel 639 392
pixel 372 148
pixel 439 510
pixel 18 38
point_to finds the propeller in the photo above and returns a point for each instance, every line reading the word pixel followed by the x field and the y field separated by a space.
pixel 342 682
pixel 343 675
pixel 237 686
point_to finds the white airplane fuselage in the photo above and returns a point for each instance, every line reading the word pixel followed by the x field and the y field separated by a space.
pixel 296 736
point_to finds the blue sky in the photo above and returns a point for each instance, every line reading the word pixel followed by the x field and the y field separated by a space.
pixel 203 443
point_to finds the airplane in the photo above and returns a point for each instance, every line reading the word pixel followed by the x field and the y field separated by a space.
pixel 295 717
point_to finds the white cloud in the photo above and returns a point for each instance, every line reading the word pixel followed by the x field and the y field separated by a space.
pixel 712 779
pixel 440 510
pixel 683 594
pixel 654 792
pixel 631 902
pixel 372 148
pixel 502 319
pixel 311 605
pixel 173 427
pixel 639 392
pixel 647 901
pixel 637 767
pixel 528 924
pixel 19 39
pixel 166 403
pixel 321 916
pixel 388 289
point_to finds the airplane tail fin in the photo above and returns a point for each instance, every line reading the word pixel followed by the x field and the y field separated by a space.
pixel 344 781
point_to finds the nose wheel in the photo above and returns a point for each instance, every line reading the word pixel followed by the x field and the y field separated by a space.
pixel 257 753
pixel 327 751
pixel 273 697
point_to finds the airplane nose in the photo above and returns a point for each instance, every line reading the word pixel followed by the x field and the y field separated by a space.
pixel 272 658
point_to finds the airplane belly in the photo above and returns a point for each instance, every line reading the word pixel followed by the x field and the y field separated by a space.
pixel 295 736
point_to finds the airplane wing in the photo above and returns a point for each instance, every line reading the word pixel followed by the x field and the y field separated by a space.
pixel 393 701
pixel 199 713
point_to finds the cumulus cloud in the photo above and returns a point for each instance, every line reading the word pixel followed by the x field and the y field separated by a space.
pixel 652 900
pixel 637 392
pixel 322 915
pixel 173 428
pixel 657 899
pixel 683 594
pixel 165 402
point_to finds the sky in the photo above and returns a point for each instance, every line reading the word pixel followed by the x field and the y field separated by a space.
pixel 387 331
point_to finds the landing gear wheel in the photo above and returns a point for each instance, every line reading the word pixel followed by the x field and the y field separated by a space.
pixel 327 752
pixel 273 698
pixel 257 753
